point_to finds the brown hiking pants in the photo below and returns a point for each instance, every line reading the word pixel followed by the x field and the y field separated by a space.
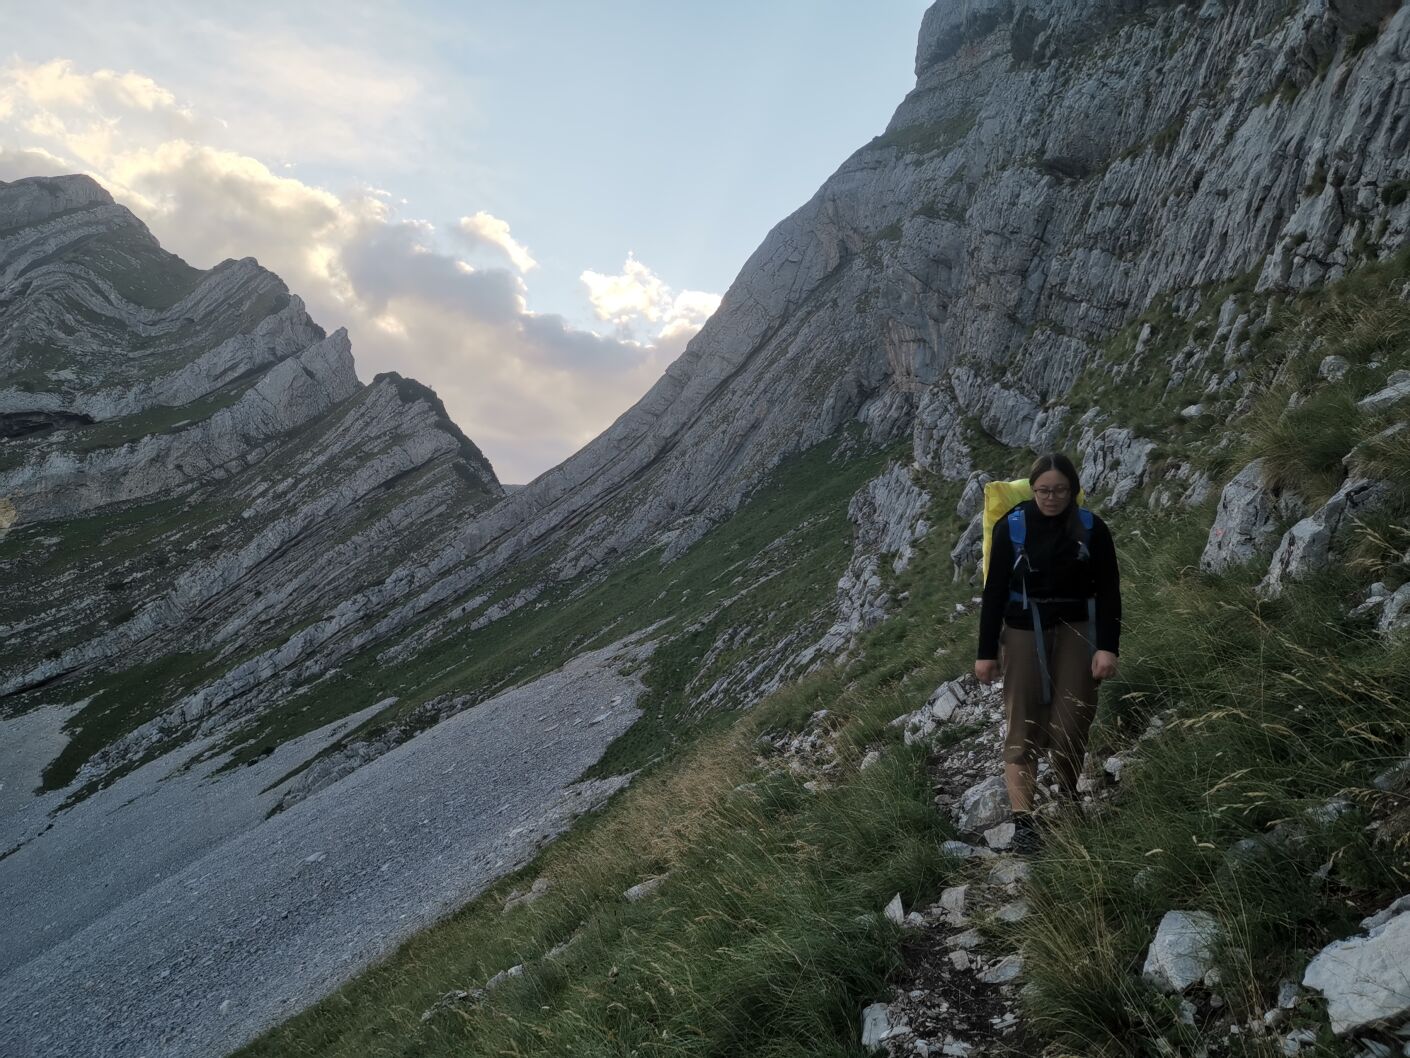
pixel 1061 726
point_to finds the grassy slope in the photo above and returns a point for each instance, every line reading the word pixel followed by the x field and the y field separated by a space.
pixel 766 938
pixel 767 935
pixel 1277 705
pixel 731 579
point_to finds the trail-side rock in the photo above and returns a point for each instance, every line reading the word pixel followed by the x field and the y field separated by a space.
pixel 939 435
pixel 642 890
pixel 1397 389
pixel 953 701
pixel 1333 368
pixel 971 501
pixel 1246 520
pixel 1113 463
pixel 877 1027
pixel 968 551
pixel 1007 969
pixel 982 805
pixel 889 512
pixel 540 886
pixel 1308 546
pixel 1394 616
pixel 1366 979
pixel 1182 951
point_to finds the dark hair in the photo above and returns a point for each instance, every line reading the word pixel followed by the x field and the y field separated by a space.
pixel 1059 462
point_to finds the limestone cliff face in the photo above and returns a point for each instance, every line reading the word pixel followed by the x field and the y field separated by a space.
pixel 206 419
pixel 1058 168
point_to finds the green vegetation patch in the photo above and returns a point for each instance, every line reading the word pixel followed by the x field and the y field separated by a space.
pixel 120 703
pixel 928 138
pixel 771 567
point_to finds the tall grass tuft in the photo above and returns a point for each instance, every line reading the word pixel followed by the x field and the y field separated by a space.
pixel 1302 446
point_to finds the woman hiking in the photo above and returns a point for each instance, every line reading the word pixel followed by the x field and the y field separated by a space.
pixel 1053 603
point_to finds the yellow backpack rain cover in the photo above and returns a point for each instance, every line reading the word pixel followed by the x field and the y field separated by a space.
pixel 999 498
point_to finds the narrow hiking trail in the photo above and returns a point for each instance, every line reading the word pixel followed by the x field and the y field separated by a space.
pixel 959 992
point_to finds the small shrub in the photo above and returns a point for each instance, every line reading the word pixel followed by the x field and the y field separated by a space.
pixel 1393 194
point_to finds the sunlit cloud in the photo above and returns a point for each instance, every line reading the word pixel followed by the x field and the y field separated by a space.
pixel 529 387
pixel 54 84
pixel 637 295
pixel 484 229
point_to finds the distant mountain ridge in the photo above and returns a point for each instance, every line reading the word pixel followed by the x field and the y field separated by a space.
pixel 1077 231
pixel 887 299
pixel 269 478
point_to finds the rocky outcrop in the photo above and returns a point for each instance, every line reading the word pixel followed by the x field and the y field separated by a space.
pixel 1307 547
pixel 1246 520
pixel 1113 461
pixel 205 415
pixel 890 516
pixel 59 483
pixel 1396 389
pixel 1182 951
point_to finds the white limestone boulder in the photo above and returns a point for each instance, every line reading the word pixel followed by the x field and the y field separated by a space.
pixel 1366 979
pixel 1182 951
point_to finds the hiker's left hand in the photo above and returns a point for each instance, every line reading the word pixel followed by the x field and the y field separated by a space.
pixel 1103 665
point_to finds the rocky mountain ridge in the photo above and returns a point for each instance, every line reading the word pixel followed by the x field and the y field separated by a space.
pixel 885 299
pixel 1084 227
pixel 890 298
pixel 258 479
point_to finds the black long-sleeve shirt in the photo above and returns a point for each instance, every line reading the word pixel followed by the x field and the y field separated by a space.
pixel 1055 571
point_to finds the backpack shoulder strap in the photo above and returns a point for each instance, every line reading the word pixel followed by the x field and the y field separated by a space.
pixel 1085 516
pixel 1018 529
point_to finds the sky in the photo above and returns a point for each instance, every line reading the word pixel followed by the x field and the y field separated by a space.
pixel 529 206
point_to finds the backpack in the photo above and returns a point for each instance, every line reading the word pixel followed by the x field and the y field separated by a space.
pixel 1000 497
pixel 1004 499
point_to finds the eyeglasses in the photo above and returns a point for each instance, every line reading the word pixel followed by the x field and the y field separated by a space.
pixel 1051 493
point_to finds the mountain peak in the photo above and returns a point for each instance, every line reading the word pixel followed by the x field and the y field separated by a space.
pixel 33 199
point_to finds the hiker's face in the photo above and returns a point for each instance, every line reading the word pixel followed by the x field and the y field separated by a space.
pixel 1051 492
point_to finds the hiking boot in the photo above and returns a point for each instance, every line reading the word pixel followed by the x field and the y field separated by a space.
pixel 1027 839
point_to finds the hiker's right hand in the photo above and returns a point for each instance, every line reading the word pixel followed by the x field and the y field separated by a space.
pixel 986 670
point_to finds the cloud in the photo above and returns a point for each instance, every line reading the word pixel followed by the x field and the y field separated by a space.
pixel 55 85
pixel 638 295
pixel 528 387
pixel 390 260
pixel 485 230
pixel 30 161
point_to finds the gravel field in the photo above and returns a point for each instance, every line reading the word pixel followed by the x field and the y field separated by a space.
pixel 169 918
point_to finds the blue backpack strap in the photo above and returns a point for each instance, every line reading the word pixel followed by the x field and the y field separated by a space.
pixel 1018 531
pixel 1018 534
pixel 1087 521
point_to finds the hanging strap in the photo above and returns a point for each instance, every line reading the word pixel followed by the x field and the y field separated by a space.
pixel 1044 677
